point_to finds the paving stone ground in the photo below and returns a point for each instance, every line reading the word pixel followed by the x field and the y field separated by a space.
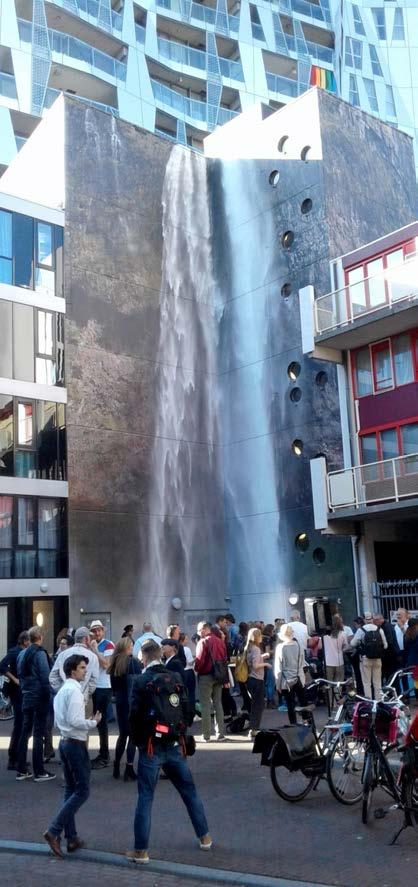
pixel 254 831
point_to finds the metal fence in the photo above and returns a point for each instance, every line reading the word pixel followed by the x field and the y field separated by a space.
pixel 389 596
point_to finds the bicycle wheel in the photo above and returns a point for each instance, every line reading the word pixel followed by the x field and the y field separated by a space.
pixel 345 761
pixel 291 785
pixel 367 788
pixel 411 800
pixel 6 709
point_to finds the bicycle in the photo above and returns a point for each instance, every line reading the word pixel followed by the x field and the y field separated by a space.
pixel 6 708
pixel 299 757
pixel 377 724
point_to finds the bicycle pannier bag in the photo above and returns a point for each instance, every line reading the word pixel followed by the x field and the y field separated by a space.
pixel 386 722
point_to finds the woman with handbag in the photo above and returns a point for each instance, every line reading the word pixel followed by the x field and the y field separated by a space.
pixel 256 662
pixel 288 669
pixel 122 669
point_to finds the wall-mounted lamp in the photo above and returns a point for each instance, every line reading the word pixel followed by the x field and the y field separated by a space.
pixel 293 599
pixel 44 587
pixel 177 603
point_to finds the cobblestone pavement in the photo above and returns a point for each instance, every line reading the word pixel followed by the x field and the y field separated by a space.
pixel 254 831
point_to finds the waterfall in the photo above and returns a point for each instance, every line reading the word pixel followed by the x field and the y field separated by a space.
pixel 255 563
pixel 185 531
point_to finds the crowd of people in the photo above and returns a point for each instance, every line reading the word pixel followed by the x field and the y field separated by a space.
pixel 160 685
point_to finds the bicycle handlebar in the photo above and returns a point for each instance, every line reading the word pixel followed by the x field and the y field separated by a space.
pixel 332 683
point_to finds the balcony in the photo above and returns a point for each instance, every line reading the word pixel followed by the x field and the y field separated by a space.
pixel 140 34
pixel 184 55
pixel 370 308
pixel 225 115
pixel 7 85
pixel 201 13
pixel 51 94
pixel 320 53
pixel 310 10
pixel 377 485
pixel 76 49
pixel 169 98
pixel 90 8
pixel 282 85
pixel 232 70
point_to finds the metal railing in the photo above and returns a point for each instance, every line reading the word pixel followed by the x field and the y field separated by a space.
pixel 91 8
pixel 140 34
pixel 25 30
pixel 366 296
pixel 308 9
pixel 257 32
pixel 63 44
pixel 51 94
pixel 321 53
pixel 395 593
pixel 184 55
pixel 172 99
pixel 203 13
pixel 225 115
pixel 390 480
pixel 231 69
pixel 200 12
pixel 7 85
pixel 283 85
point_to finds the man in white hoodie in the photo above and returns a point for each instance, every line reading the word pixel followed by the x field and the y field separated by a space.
pixel 81 647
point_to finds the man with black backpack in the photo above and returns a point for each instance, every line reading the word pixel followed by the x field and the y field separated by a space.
pixel 158 723
pixel 33 667
pixel 372 643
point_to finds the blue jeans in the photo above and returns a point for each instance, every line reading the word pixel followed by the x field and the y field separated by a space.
pixel 34 719
pixel 176 768
pixel 76 769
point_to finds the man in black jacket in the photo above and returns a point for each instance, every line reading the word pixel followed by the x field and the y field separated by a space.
pixel 33 669
pixel 158 719
pixel 8 668
pixel 391 656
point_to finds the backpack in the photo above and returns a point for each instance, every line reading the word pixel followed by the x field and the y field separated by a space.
pixel 241 669
pixel 166 714
pixel 238 724
pixel 372 644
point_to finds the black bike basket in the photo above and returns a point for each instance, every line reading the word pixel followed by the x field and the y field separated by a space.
pixel 386 724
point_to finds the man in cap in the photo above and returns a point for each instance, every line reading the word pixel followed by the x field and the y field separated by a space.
pixel 171 659
pixel 103 648
pixel 81 647
pixel 372 643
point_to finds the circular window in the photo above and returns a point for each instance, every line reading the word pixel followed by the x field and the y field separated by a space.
pixel 274 178
pixel 295 395
pixel 287 239
pixel 302 542
pixel 297 447
pixel 293 370
pixel 321 379
pixel 304 154
pixel 281 144
pixel 318 556
pixel 306 206
pixel 286 290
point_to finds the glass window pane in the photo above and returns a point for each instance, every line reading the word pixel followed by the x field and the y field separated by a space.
pixel 6 561
pixel 48 564
pixel 45 332
pixel 5 235
pixel 23 342
pixel 25 564
pixel 6 270
pixel 6 521
pixel 25 464
pixel 364 382
pixel 25 424
pixel 23 249
pixel 382 367
pixel 45 371
pixel 6 348
pixel 47 441
pixel 409 436
pixel 48 523
pixel 45 281
pixel 357 289
pixel 25 522
pixel 390 449
pixel 403 280
pixel 402 359
pixel 6 435
pixel 394 258
pixel 369 452
pixel 44 244
pixel 376 284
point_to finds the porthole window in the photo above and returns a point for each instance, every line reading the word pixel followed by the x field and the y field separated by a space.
pixel 302 542
pixel 281 144
pixel 297 447
pixel 306 206
pixel 305 152
pixel 286 290
pixel 295 395
pixel 318 556
pixel 293 370
pixel 274 178
pixel 321 379
pixel 287 239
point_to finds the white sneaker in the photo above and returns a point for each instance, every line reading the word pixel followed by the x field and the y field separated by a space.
pixel 45 777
